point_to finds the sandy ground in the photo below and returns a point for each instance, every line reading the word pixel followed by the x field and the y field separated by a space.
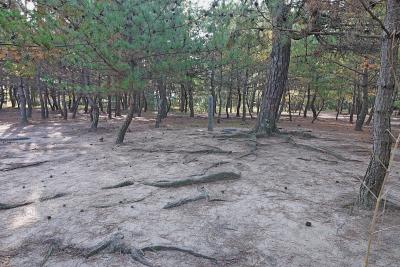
pixel 260 222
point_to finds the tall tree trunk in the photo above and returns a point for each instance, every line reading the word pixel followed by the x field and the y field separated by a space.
pixel 125 125
pixel 212 87
pixel 75 106
pixel 371 115
pixel 239 96
pixel 94 113
pixel 28 97
pixel 312 105
pixel 11 95
pixel 244 98
pixel 182 98
pixel 353 103
pixel 144 102
pixel 191 104
pixel 289 105
pixel 277 69
pixel 364 107
pixel 109 109
pixel 117 105
pixel 64 106
pixel 162 90
pixel 307 106
pixel 379 161
pixel 46 101
pixel 22 102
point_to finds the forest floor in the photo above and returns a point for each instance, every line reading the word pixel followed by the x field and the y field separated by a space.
pixel 63 176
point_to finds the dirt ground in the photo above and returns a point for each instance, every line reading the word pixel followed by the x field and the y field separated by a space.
pixel 257 220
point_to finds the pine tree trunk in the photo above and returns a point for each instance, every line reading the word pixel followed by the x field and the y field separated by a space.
pixel 28 97
pixel 191 104
pixel 75 106
pixel 379 161
pixel 64 106
pixel 353 104
pixel 94 114
pixel 22 102
pixel 277 70
pixel 364 107
pixel 109 109
pixel 371 115
pixel 162 90
pixel 117 105
pixel 307 106
pixel 182 98
pixel 125 125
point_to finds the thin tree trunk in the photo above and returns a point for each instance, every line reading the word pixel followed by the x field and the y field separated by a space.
pixel 191 105
pixel 353 104
pixel 22 102
pixel 28 97
pixel 94 114
pixel 307 106
pixel 117 105
pixel 371 115
pixel 364 107
pixel 125 125
pixel 182 98
pixel 289 105
pixel 109 109
pixel 75 106
pixel 382 143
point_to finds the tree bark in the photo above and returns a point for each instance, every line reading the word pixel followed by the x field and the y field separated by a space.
pixel 379 161
pixel 22 102
pixel 125 125
pixel 182 98
pixel 191 105
pixel 109 109
pixel 277 70
pixel 94 112
pixel 307 106
pixel 162 90
pixel 117 105
pixel 364 106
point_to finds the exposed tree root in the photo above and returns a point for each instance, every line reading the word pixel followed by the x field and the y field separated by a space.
pixel 119 203
pixel 14 139
pixel 122 184
pixel 116 245
pixel 4 206
pixel 200 151
pixel 221 176
pixel 184 201
pixel 48 254
pixel 217 164
pixel 173 248
pixel 58 195
pixel 306 134
pixel 319 150
pixel 15 166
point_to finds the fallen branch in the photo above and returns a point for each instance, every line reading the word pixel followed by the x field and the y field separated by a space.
pixel 221 176
pixel 184 201
pixel 15 166
pixel 4 206
pixel 173 248
pixel 122 184
pixel 58 195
